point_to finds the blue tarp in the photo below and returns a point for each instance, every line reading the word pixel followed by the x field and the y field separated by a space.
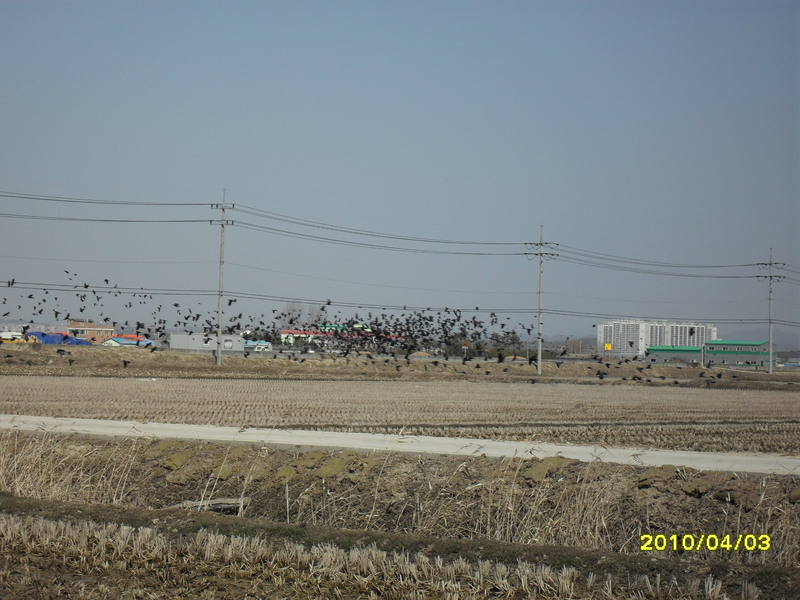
pixel 57 338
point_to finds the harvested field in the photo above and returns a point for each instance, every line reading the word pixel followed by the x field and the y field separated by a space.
pixel 88 560
pixel 93 361
pixel 452 527
pixel 649 417
pixel 368 525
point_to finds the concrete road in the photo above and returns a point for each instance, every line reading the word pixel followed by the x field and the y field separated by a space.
pixel 413 444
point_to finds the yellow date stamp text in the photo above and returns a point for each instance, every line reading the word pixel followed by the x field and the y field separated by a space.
pixel 689 542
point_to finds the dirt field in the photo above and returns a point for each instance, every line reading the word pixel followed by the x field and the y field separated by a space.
pixel 36 359
pixel 85 518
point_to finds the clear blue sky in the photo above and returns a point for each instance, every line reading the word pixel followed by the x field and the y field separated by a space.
pixel 659 131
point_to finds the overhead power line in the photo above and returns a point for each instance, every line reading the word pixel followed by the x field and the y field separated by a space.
pixel 348 236
pixel 340 229
pixel 341 242
pixel 632 269
pixel 379 285
pixel 107 289
pixel 98 220
pixel 568 253
pixel 627 316
pixel 122 262
pixel 140 291
pixel 636 261
pixel 23 196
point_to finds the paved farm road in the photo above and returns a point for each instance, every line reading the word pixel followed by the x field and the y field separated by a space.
pixel 414 444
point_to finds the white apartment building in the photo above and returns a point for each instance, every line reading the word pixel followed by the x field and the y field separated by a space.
pixel 632 337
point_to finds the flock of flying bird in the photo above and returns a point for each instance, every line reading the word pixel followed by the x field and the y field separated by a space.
pixel 385 332
pixel 397 335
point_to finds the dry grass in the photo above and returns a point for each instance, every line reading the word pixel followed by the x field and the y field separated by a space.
pixel 579 506
pixel 554 502
pixel 653 417
pixel 118 557
pixel 54 468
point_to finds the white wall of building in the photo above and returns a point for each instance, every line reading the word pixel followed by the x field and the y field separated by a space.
pixel 632 337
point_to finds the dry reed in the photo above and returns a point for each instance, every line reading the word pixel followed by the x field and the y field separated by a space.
pixel 583 505
pixel 93 551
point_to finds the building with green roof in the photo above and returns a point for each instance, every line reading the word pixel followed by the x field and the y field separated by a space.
pixel 714 352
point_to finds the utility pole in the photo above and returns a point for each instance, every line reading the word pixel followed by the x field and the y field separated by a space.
pixel 220 287
pixel 539 247
pixel 770 277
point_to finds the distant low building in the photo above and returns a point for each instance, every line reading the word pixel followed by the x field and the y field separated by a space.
pixel 322 334
pixel 131 340
pixel 206 343
pixel 671 354
pixel 727 352
pixel 715 352
pixel 309 336
pixel 89 331
pixel 257 346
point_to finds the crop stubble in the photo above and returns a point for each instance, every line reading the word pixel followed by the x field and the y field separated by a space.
pixel 652 417
pixel 505 505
